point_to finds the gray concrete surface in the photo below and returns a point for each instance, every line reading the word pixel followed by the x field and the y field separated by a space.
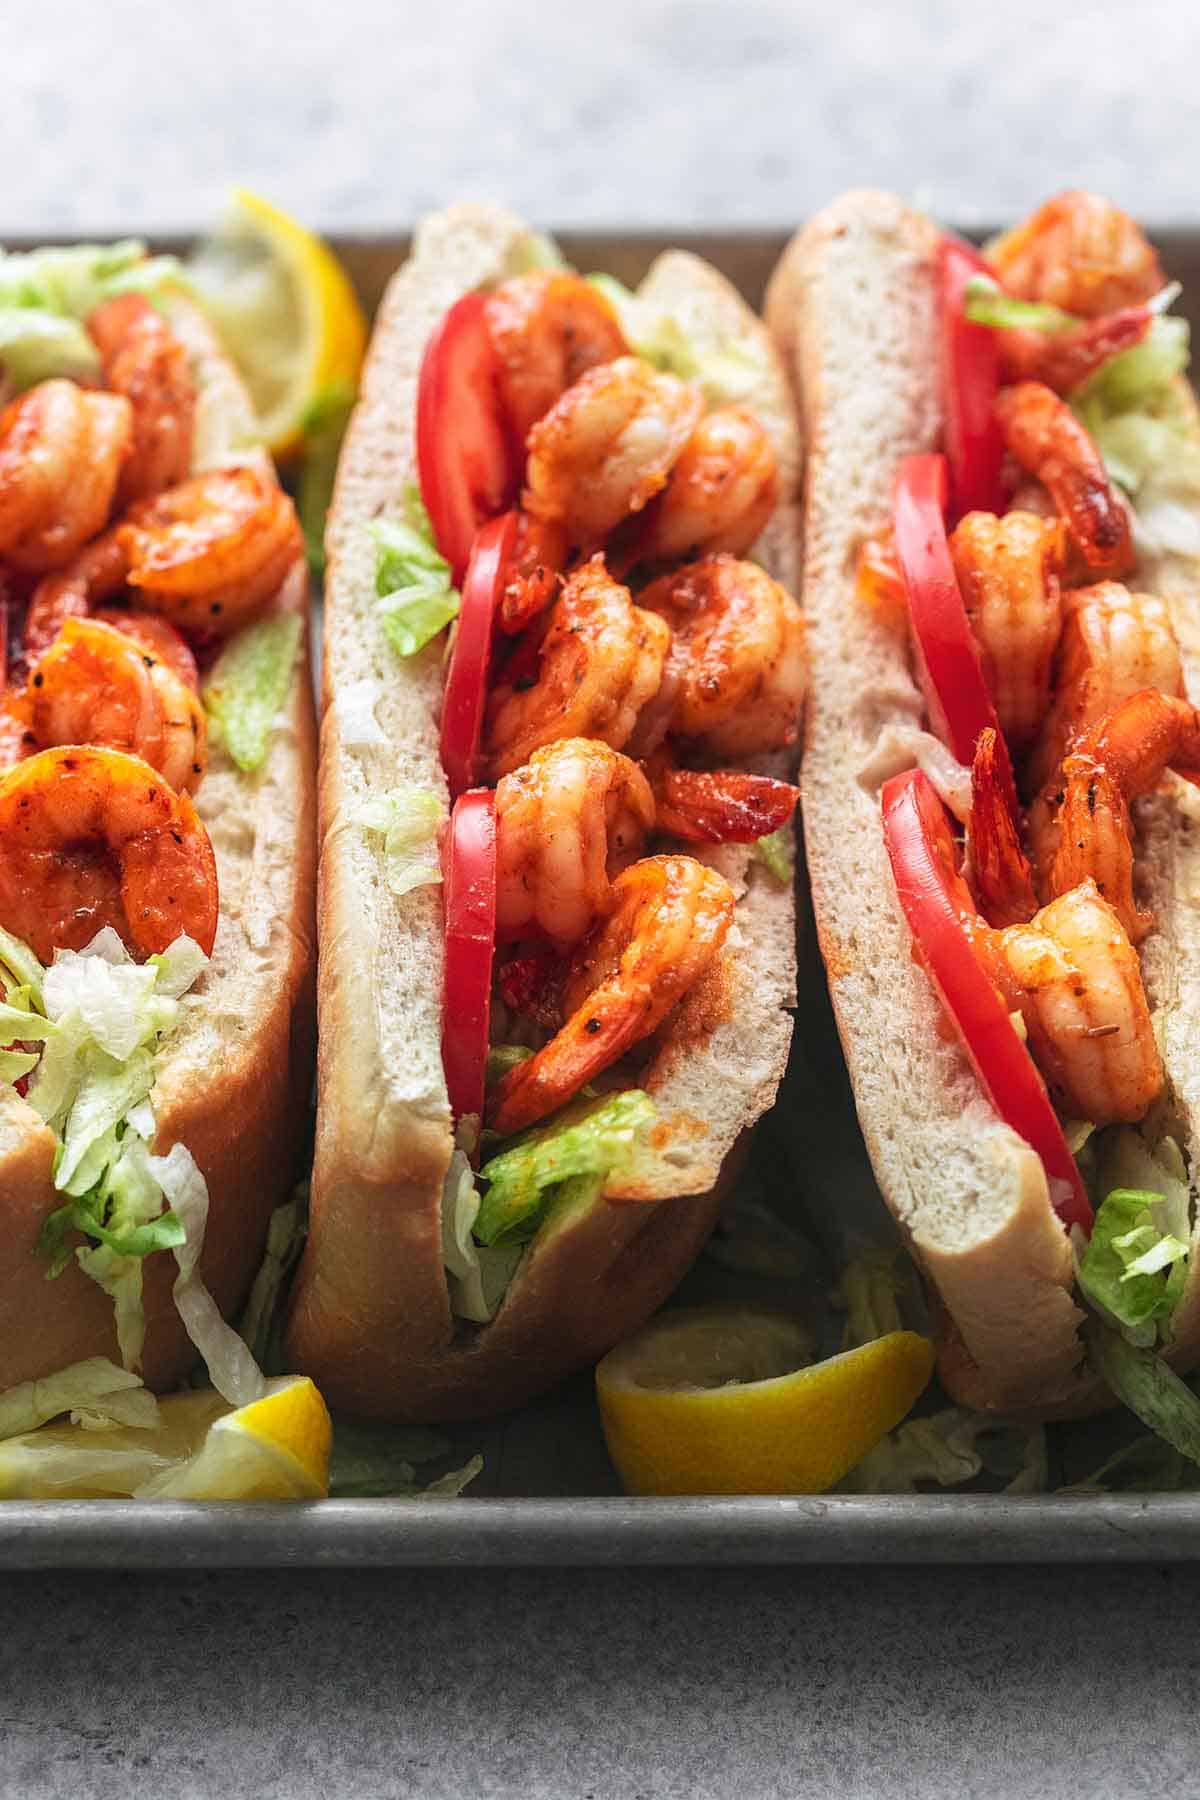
pixel 648 1686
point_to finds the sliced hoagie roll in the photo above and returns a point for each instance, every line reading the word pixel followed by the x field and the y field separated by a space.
pixel 854 305
pixel 374 1316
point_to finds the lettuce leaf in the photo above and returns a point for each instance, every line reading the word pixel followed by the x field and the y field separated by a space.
pixel 1149 1387
pixel 949 1448
pixel 725 373
pixel 1148 1465
pixel 778 852
pixel 412 579
pixel 95 1392
pixel 324 426
pixel 571 1159
pixel 47 294
pixel 986 303
pixel 478 1275
pixel 249 683
pixel 231 1366
pixel 409 820
pixel 869 1290
pixel 1134 1265
pixel 261 1319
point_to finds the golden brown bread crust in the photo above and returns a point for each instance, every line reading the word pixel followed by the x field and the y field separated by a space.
pixel 235 1078
pixel 370 1318
pixel 851 304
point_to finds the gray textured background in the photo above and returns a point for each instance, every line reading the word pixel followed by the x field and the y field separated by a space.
pixel 656 1684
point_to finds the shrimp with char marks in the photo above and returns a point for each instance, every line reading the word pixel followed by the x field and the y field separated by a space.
pixel 547 329
pixel 97 685
pixel 1064 360
pixel 210 554
pixel 567 822
pixel 1120 758
pixel 96 573
pixel 1078 252
pixel 719 496
pixel 1008 571
pixel 606 447
pixel 1078 983
pixel 535 578
pixel 142 359
pixel 1048 441
pixel 92 837
pixel 62 450
pixel 601 659
pixel 738 667
pixel 666 920
pixel 1001 878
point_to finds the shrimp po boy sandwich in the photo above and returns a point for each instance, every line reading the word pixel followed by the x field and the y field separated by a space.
pixel 557 926
pixel 157 844
pixel 1003 590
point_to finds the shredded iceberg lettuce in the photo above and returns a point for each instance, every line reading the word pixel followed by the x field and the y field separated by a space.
pixel 569 1160
pixel 409 820
pixel 358 727
pixel 231 1366
pixel 412 579
pixel 249 683
pixel 102 1018
pixel 869 1290
pixel 951 1447
pixel 261 1321
pixel 45 296
pixel 1149 1387
pixel 372 1461
pixel 986 303
pixel 725 373
pixel 478 1275
pixel 1135 1264
pixel 95 1393
pixel 777 851
pixel 324 426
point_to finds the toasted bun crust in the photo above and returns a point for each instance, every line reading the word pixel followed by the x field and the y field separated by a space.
pixel 852 306
pixel 371 1318
pixel 234 1078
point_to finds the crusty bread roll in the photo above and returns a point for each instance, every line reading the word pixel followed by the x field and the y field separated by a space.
pixel 235 1076
pixel 852 306
pixel 371 1318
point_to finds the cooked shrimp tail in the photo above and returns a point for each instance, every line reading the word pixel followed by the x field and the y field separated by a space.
pixel 1047 440
pixel 1000 876
pixel 722 806
pixel 667 919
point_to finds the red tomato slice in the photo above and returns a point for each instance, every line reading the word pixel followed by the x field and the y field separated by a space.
pixel 921 848
pixel 466 679
pixel 970 383
pixel 469 866
pixel 947 656
pixel 463 457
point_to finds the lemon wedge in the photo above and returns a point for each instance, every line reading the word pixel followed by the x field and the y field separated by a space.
pixel 716 1400
pixel 276 1448
pixel 287 313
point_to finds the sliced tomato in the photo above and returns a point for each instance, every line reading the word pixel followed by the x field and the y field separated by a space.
pixel 970 382
pixel 947 656
pixel 467 470
pixel 469 869
pixel 935 901
pixel 466 679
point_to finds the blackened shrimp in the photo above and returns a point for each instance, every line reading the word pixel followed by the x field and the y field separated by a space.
pixel 90 838
pixel 210 554
pixel 606 447
pixel 598 664
pixel 547 328
pixel 142 359
pixel 62 450
pixel 96 685
pixel 1116 761
pixel 567 822
pixel 719 495
pixel 1049 443
pixel 738 667
pixel 667 919
pixel 1078 984
pixel 1078 252
pixel 1008 571
pixel 95 574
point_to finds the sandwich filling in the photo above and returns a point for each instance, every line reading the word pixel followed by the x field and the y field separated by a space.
pixel 1056 700
pixel 143 542
pixel 591 487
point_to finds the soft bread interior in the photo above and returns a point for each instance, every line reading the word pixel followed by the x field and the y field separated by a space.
pixel 371 1317
pixel 234 1078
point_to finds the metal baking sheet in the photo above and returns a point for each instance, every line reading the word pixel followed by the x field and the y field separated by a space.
pixel 548 1494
